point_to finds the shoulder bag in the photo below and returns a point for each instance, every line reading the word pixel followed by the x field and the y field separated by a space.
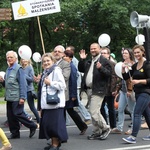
pixel 52 99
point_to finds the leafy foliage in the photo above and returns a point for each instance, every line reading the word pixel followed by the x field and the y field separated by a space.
pixel 79 23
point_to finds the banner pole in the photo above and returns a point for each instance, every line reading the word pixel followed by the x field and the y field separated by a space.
pixel 38 19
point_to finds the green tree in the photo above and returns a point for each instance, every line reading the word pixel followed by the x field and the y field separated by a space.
pixel 79 23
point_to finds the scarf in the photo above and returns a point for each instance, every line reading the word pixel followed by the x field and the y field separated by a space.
pixel 46 73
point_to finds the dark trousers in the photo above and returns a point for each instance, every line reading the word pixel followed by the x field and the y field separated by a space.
pixel 30 101
pixel 111 110
pixel 15 114
pixel 77 119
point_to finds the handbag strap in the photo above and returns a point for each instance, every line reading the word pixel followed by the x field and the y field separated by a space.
pixel 52 80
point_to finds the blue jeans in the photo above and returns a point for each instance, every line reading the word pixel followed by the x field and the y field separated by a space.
pixel 84 112
pixel 30 101
pixel 142 107
pixel 123 101
pixel 26 114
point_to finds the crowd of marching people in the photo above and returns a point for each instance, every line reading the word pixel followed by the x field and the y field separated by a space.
pixel 63 79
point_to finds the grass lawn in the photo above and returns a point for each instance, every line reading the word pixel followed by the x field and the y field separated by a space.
pixel 2 90
pixel 2 102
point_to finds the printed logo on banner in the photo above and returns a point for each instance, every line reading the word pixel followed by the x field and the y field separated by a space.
pixel 22 11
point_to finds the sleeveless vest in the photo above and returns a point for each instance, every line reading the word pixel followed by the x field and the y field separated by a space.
pixel 11 85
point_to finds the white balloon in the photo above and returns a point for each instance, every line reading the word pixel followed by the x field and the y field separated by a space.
pixel 140 39
pixel 104 40
pixel 36 57
pixel 118 69
pixel 2 74
pixel 25 52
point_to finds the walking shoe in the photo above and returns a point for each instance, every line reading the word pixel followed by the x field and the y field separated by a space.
pixel 54 148
pixel 147 138
pixel 47 147
pixel 14 136
pixel 128 132
pixel 144 126
pixel 29 118
pixel 130 139
pixel 105 134
pixel 32 132
pixel 93 137
pixel 6 147
pixel 87 121
pixel 130 125
pixel 116 131
pixel 6 124
pixel 83 131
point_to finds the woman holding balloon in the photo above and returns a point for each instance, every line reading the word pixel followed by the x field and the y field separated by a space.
pixel 29 74
pixel 125 90
pixel 141 80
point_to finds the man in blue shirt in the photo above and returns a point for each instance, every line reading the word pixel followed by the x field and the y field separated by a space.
pixel 15 95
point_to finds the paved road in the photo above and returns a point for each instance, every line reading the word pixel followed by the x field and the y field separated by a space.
pixel 76 141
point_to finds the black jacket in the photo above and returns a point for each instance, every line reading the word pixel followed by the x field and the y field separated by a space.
pixel 100 76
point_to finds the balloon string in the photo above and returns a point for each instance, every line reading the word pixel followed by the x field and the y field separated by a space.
pixel 130 75
pixel 37 68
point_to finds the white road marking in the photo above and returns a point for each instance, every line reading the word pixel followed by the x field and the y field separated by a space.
pixel 134 147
